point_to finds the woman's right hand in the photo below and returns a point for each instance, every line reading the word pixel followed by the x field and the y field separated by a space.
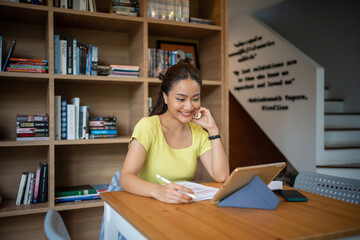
pixel 170 193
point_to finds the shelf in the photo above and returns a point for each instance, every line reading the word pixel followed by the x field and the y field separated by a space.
pixel 23 13
pixel 180 30
pixel 94 141
pixel 9 208
pixel 102 79
pixel 14 143
pixel 95 21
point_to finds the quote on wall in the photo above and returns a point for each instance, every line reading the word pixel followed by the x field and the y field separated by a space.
pixel 269 75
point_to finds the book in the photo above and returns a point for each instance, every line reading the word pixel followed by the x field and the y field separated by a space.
pixel 103 132
pixel 63 59
pixel 77 198
pixel 71 122
pixel 74 57
pixel 32 118
pixel 63 119
pixel 94 60
pixel 76 102
pixel 1 52
pixel 37 184
pixel 43 188
pixel 12 49
pixel 85 122
pixel 69 54
pixel 56 54
pixel 58 117
pixel 22 186
pixel 31 188
pixel 26 194
pixel 101 187
pixel 75 190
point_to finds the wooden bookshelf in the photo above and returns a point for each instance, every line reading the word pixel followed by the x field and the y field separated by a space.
pixel 121 40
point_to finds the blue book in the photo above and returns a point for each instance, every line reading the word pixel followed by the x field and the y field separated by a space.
pixel 57 54
pixel 9 55
pixel 63 119
pixel 77 198
pixel 100 132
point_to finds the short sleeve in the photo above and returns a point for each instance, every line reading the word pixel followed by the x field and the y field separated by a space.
pixel 145 132
pixel 203 142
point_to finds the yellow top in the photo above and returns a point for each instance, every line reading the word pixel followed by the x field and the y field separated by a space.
pixel 173 164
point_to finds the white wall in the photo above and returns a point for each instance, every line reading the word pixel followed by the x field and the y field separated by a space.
pixel 297 132
pixel 328 31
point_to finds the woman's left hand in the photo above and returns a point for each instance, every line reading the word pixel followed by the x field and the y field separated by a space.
pixel 206 120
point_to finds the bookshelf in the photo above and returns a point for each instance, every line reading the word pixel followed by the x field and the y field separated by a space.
pixel 122 40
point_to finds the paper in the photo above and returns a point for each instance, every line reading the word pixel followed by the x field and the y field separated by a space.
pixel 276 185
pixel 200 191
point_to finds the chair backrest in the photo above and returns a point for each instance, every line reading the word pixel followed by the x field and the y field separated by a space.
pixel 54 226
pixel 345 189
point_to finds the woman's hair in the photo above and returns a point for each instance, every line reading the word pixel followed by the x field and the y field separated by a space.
pixel 174 74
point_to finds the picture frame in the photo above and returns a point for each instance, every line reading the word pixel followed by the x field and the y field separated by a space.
pixel 187 52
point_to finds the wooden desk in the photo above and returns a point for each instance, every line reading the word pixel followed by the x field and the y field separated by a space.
pixel 319 218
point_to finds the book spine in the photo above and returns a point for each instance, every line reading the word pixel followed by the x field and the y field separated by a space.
pixel 76 102
pixel 1 51
pixel 103 136
pixel 37 125
pixel 83 5
pixel 103 132
pixel 78 59
pixel 58 117
pixel 75 193
pixel 63 47
pixel 74 56
pixel 44 183
pixel 26 195
pixel 21 188
pixel 63 119
pixel 69 55
pixel 32 138
pixel 37 183
pixel 94 61
pixel 57 54
pixel 101 123
pixel 112 118
pixel 63 3
pixel 9 55
pixel 77 198
pixel 71 122
pixel 32 118
pixel 31 190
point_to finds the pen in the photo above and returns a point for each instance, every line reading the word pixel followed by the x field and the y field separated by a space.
pixel 167 181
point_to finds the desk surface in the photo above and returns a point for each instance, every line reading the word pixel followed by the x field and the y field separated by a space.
pixel 320 218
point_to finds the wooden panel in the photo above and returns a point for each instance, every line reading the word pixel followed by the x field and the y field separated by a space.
pixel 31 14
pixel 137 50
pixel 23 227
pixel 210 57
pixel 84 223
pixel 88 164
pixel 206 9
pixel 20 96
pixel 30 40
pixel 249 145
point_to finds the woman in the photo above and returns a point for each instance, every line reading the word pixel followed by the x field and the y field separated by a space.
pixel 169 142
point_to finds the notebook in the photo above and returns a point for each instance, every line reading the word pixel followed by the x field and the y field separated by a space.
pixel 243 175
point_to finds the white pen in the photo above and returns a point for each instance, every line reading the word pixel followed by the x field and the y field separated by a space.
pixel 167 181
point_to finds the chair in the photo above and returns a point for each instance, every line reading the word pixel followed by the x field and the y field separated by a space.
pixel 114 186
pixel 345 189
pixel 54 226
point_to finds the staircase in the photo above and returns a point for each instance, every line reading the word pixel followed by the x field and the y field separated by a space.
pixel 342 140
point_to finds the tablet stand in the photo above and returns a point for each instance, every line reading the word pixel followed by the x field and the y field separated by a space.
pixel 253 195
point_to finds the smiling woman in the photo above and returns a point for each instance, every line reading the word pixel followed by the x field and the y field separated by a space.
pixel 169 142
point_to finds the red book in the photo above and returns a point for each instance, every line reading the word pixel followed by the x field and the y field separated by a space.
pixel 26 60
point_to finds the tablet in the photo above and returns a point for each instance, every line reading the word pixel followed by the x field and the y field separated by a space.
pixel 243 175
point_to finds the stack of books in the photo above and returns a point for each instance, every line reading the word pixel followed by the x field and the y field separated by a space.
pixel 160 60
pixel 79 193
pixel 124 71
pixel 32 127
pixel 33 187
pixel 103 127
pixel 27 65
pixel 127 8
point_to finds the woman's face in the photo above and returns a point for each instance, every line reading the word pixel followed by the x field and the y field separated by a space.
pixel 183 100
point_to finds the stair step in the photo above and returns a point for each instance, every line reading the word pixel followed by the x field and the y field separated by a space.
pixel 351 165
pixel 339 156
pixel 341 146
pixel 334 105
pixel 346 172
pixel 339 138
pixel 342 120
